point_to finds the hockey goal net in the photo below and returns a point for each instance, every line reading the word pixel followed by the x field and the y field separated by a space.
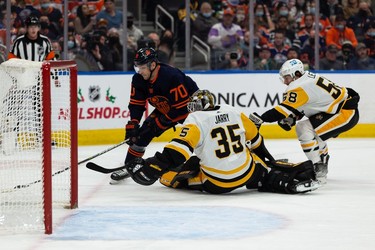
pixel 38 141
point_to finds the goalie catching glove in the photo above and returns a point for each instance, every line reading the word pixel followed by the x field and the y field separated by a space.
pixel 146 172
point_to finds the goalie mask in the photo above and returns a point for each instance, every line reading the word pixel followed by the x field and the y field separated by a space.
pixel 201 100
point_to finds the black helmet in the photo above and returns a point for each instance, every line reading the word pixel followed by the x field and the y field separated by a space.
pixel 145 55
pixel 32 20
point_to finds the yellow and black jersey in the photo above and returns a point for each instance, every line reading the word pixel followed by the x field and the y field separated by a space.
pixel 218 138
pixel 309 95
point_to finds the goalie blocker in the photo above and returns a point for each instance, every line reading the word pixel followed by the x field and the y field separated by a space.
pixel 283 177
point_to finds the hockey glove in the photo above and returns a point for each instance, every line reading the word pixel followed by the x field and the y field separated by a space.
pixel 256 119
pixel 287 123
pixel 146 172
pixel 159 124
pixel 131 132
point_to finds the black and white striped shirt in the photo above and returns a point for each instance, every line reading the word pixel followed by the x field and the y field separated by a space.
pixel 39 49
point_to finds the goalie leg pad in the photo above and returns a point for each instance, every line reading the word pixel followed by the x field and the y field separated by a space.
pixel 167 178
pixel 285 177
pixel 276 182
pixel 301 171
pixel 178 178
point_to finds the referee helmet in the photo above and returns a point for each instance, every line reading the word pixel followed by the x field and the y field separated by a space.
pixel 32 20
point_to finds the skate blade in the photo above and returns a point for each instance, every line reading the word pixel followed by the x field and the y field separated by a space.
pixel 114 182
pixel 322 180
pixel 308 186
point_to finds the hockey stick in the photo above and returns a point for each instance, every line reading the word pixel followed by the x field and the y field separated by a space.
pixel 100 169
pixel 103 152
pixel 65 169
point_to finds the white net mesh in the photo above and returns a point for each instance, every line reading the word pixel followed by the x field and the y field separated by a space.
pixel 21 137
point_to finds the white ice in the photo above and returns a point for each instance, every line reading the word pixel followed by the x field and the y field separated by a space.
pixel 340 215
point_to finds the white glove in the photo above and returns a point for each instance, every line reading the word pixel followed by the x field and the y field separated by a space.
pixel 256 119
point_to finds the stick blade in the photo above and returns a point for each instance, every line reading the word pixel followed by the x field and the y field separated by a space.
pixel 97 168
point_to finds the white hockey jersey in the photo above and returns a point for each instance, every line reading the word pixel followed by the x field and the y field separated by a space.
pixel 312 94
pixel 218 137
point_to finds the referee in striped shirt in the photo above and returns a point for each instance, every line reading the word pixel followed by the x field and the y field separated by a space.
pixel 32 46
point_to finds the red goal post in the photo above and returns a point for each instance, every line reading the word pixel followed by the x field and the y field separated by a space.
pixel 39 149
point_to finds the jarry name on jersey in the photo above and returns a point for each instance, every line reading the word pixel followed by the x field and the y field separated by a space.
pixel 222 118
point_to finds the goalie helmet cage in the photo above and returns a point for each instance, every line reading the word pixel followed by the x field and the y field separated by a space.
pixel 38 141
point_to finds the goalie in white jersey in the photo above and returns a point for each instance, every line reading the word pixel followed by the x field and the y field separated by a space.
pixel 330 109
pixel 230 154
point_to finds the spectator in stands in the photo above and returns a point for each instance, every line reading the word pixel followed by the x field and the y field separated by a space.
pixel 359 21
pixel 264 61
pixel 181 23
pixel 330 60
pixel 278 48
pixel 48 29
pixel 282 25
pixel 133 31
pixel 224 37
pixel 282 9
pixel 304 33
pixel 245 43
pixel 242 17
pixel 13 27
pixel 350 8
pixel 340 33
pixel 204 21
pixel 307 58
pixel 362 61
pixel 330 9
pixel 299 10
pixel 54 14
pixel 113 16
pixel 309 43
pixel 101 24
pixel 347 53
pixel 57 48
pixel 115 48
pixel 324 22
pixel 98 49
pixel 155 38
pixel 234 60
pixel 23 10
pixel 369 40
pixel 84 21
pixel 263 18
pixel 293 53
pixel 167 45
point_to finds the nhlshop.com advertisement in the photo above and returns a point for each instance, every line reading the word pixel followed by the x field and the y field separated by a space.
pixel 102 101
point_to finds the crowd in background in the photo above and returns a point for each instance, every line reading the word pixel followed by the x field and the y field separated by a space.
pixel 283 29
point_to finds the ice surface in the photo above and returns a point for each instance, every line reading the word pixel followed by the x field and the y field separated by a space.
pixel 339 215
